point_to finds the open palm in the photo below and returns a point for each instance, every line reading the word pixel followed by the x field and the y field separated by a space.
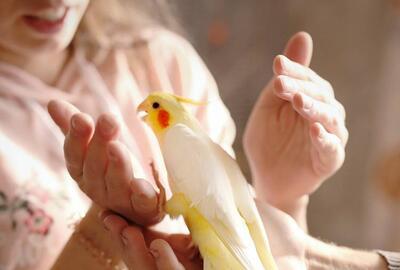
pixel 295 136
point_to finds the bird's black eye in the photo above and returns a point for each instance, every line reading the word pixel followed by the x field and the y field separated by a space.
pixel 156 105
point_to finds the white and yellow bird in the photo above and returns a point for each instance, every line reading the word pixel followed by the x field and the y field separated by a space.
pixel 209 189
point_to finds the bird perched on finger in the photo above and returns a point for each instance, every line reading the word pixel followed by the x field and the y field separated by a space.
pixel 208 187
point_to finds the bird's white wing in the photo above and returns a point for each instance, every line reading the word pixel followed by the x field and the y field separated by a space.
pixel 246 206
pixel 201 177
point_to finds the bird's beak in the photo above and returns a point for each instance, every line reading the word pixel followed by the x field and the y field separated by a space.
pixel 142 109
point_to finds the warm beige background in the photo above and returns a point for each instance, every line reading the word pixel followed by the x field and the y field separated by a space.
pixel 357 48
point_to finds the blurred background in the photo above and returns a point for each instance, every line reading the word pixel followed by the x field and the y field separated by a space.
pixel 356 48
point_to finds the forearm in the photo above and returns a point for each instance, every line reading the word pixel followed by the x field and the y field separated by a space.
pixel 89 247
pixel 323 256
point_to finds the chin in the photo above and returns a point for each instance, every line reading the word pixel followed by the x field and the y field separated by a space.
pixel 31 41
pixel 29 46
pixel 37 48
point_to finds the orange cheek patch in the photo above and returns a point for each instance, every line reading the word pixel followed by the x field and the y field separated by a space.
pixel 163 118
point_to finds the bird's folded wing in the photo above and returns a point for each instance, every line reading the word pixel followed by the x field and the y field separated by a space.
pixel 200 175
pixel 246 206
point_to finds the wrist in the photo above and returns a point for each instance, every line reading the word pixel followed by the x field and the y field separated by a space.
pixel 296 208
pixel 90 246
pixel 92 228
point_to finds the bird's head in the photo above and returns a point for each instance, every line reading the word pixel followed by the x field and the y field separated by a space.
pixel 164 110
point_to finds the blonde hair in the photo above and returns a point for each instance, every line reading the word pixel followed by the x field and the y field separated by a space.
pixel 116 23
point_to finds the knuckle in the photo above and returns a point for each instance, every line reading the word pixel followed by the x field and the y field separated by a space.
pixel 70 154
pixel 340 108
pixel 328 86
pixel 74 171
pixel 345 136
pixel 334 122
pixel 328 89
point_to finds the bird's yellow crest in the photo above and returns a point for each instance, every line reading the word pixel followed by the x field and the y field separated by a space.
pixel 189 101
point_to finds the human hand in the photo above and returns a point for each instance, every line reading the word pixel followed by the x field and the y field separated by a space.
pixel 102 166
pixel 296 134
pixel 147 249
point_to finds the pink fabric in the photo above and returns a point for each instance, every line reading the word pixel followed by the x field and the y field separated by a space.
pixel 38 200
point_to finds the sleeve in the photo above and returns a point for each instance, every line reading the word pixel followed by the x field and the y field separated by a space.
pixel 173 65
pixel 392 259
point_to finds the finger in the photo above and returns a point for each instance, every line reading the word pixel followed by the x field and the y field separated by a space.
pixel 104 213
pixel 284 66
pixel 328 149
pixel 118 176
pixel 299 48
pixel 164 256
pixel 144 202
pixel 328 115
pixel 95 163
pixel 76 142
pixel 134 198
pixel 131 242
pixel 286 88
pixel 61 113
pixel 185 250
pixel 340 107
pixel 181 243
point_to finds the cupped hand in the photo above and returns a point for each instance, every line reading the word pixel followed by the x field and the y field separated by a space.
pixel 101 165
pixel 146 249
pixel 296 134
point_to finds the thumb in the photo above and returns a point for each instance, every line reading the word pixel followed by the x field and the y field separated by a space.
pixel 299 48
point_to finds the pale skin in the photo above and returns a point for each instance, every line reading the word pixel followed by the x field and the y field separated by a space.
pixel 94 155
pixel 296 134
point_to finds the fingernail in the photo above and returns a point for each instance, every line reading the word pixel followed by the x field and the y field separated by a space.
pixel 77 125
pixel 107 126
pixel 105 223
pixel 284 63
pixel 124 240
pixel 144 202
pixel 102 215
pixel 155 253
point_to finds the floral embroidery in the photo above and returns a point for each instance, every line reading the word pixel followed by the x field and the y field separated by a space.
pixel 39 222
pixel 36 220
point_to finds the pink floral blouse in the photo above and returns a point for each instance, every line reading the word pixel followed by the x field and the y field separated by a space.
pixel 39 202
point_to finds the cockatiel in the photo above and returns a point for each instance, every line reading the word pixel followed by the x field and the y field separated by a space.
pixel 209 189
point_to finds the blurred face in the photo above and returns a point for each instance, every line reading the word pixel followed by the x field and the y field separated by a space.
pixel 30 27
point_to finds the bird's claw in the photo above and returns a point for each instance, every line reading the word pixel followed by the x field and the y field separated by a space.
pixel 161 196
